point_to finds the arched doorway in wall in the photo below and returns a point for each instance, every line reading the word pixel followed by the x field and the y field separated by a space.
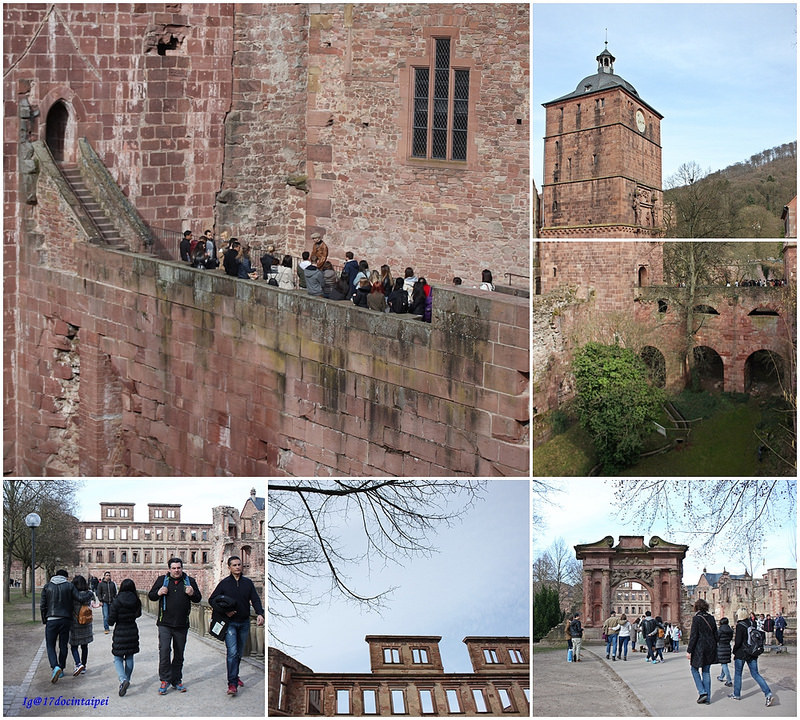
pixel 56 126
pixel 656 364
pixel 709 371
pixel 642 276
pixel 764 373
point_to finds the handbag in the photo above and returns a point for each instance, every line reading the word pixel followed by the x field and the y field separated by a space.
pixel 95 603
pixel 218 628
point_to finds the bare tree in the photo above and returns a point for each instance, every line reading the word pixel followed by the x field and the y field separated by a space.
pixel 54 501
pixel 557 567
pixel 715 511
pixel 695 206
pixel 395 519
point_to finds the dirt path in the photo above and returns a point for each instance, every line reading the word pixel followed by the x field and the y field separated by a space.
pixel 585 689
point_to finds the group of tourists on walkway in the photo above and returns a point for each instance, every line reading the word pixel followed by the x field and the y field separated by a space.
pixel 66 610
pixel 315 273
pixel 708 645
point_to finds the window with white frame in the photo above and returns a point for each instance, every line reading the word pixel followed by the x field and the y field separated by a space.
pixel 370 698
pixel 490 656
pixel 453 700
pixel 419 656
pixel 426 701
pixel 342 701
pixel 516 656
pixel 391 656
pixel 505 700
pixel 398 701
pixel 480 700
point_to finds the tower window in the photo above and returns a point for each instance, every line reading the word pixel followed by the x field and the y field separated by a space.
pixel 391 655
pixel 441 107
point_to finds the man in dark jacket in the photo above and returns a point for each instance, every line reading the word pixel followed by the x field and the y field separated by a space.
pixel 56 608
pixel 238 592
pixel 106 592
pixel 175 592
pixel 648 625
pixel 576 633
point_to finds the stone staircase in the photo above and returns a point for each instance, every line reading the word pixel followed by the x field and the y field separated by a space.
pixel 105 228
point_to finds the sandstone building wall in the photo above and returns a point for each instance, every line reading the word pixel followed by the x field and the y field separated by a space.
pixel 407 678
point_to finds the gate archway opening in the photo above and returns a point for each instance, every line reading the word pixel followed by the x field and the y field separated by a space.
pixel 632 598
pixel 764 373
pixel 708 371
pixel 656 365
pixel 56 130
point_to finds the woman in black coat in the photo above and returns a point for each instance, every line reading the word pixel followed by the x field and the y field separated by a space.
pixel 702 649
pixel 724 651
pixel 125 642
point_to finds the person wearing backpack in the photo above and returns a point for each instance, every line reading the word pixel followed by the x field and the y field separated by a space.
pixel 174 592
pixel 576 633
pixel 702 649
pixel 747 646
pixel 80 633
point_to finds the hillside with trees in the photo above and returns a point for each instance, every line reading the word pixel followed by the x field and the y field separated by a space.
pixel 743 200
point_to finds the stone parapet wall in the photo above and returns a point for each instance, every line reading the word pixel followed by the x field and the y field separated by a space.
pixel 192 372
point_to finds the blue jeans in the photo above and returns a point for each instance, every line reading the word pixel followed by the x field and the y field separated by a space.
pixel 703 685
pixel 724 673
pixel 105 616
pixel 124 669
pixel 612 640
pixel 623 646
pixel 650 652
pixel 752 665
pixel 235 640
pixel 57 630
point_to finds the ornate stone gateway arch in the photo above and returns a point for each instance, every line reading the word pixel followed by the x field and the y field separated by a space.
pixel 658 566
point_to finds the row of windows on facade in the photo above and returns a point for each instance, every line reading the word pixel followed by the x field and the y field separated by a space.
pixel 147 557
pixel 419 656
pixel 397 696
pixel 148 534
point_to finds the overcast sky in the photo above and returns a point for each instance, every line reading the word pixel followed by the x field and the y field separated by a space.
pixel 724 76
pixel 477 584
pixel 585 512
pixel 196 496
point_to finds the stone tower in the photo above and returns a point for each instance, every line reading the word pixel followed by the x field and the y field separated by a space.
pixel 602 161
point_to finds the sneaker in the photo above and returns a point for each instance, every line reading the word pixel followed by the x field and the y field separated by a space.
pixel 624 659
pixel 721 679
pixel 57 673
pixel 733 697
pixel 702 699
pixel 607 657
pixel 123 687
pixel 648 660
pixel 239 682
pixel 729 684
pixel 78 670
pixel 614 658
pixel 180 687
pixel 770 700
pixel 162 690
pixel 232 689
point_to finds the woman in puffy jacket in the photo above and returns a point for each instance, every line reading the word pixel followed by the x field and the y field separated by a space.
pixel 125 642
pixel 724 650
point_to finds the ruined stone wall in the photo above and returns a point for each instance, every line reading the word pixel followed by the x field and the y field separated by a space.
pixel 609 270
pixel 190 372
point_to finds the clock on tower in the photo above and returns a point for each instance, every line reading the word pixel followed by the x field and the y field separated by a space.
pixel 602 160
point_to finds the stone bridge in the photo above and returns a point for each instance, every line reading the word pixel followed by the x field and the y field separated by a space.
pixel 736 326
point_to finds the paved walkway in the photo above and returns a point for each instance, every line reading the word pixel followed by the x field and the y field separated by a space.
pixel 635 688
pixel 203 674
pixel 667 688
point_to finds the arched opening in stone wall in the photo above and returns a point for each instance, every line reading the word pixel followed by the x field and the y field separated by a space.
pixel 631 598
pixel 56 130
pixel 656 364
pixel 764 373
pixel 763 312
pixel 643 276
pixel 709 371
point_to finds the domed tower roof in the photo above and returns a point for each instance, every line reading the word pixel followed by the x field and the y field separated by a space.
pixel 603 79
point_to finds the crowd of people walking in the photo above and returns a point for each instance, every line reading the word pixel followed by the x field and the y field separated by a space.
pixel 66 610
pixel 369 288
pixel 708 645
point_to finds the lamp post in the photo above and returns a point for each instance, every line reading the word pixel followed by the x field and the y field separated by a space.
pixel 32 520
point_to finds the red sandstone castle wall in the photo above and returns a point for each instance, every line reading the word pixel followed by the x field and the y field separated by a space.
pixel 188 372
pixel 609 269
pixel 365 193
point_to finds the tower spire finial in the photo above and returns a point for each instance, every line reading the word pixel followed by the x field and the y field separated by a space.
pixel 606 38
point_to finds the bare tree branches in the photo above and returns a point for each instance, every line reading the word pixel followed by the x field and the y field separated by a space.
pixel 717 511
pixel 318 528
